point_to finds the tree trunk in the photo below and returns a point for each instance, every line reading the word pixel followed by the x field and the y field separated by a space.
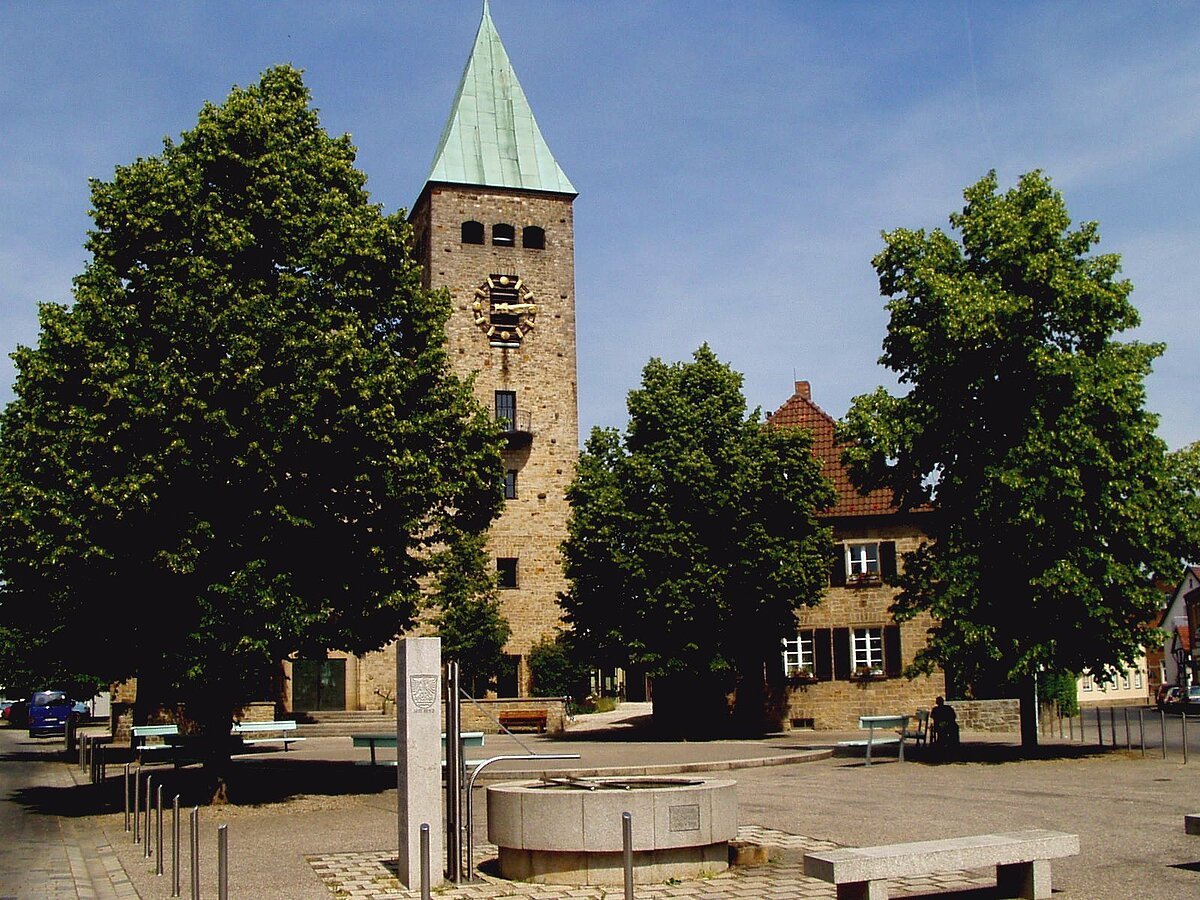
pixel 691 706
pixel 214 723
pixel 760 705
pixel 1027 693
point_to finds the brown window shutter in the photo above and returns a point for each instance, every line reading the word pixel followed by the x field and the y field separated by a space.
pixel 887 560
pixel 822 654
pixel 892 661
pixel 837 575
pixel 841 654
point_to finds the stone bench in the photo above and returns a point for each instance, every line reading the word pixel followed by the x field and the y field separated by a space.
pixel 1022 861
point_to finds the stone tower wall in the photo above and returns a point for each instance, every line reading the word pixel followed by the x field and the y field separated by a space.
pixel 542 372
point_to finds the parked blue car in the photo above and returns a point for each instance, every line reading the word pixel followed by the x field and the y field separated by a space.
pixel 49 712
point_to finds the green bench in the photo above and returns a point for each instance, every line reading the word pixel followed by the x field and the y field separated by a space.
pixel 371 741
pixel 266 732
pixel 154 739
pixel 884 723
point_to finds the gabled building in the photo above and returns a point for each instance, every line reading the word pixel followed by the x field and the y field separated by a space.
pixel 848 653
pixel 1181 618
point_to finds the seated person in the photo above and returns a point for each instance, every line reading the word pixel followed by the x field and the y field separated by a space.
pixel 943 723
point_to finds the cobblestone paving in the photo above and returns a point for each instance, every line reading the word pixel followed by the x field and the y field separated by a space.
pixel 371 876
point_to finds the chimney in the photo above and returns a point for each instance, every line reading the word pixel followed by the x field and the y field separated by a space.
pixel 803 390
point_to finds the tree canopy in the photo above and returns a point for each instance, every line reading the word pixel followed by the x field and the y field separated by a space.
pixel 242 440
pixel 1025 424
pixel 693 539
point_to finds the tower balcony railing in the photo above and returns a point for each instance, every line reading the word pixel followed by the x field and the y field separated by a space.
pixel 517 427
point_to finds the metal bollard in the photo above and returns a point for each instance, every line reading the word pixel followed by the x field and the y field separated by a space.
pixel 1112 725
pixel 158 868
pixel 1099 728
pixel 194 840
pixel 627 852
pixel 126 796
pixel 425 881
pixel 1128 740
pixel 1071 727
pixel 1183 720
pixel 1162 721
pixel 148 851
pixel 223 862
pixel 1142 730
pixel 137 804
pixel 175 846
pixel 82 738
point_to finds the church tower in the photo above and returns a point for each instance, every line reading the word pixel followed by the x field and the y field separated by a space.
pixel 493 226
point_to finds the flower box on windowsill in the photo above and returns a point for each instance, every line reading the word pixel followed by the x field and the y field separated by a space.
pixel 868 674
pixel 802 676
pixel 866 579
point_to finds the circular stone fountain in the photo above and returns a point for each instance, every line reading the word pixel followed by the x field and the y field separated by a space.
pixel 568 831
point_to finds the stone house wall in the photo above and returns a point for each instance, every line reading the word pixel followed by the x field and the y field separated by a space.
pixel 836 703
pixel 1002 715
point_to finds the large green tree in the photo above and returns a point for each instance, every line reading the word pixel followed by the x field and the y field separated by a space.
pixel 1025 424
pixel 242 440
pixel 692 541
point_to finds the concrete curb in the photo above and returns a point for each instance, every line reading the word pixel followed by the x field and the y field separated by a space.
pixel 717 765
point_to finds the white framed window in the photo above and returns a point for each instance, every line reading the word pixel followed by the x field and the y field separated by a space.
pixel 1125 680
pixel 1087 682
pixel 1137 679
pixel 798 655
pixel 866 651
pixel 862 561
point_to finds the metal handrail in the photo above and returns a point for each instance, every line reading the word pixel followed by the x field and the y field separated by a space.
pixel 479 767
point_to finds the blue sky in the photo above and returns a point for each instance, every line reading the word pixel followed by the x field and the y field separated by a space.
pixel 736 162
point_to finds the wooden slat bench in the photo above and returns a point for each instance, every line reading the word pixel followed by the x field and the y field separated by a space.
pixel 523 719
pixel 1022 861
pixel 268 732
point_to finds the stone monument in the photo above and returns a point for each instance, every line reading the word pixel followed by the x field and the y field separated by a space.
pixel 419 757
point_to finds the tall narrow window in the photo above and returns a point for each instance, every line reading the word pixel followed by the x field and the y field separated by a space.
pixel 533 238
pixel 506 572
pixel 798 655
pixel 868 651
pixel 472 232
pixel 503 235
pixel 510 484
pixel 506 409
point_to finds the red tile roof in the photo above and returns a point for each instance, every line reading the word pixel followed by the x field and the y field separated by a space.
pixel 801 412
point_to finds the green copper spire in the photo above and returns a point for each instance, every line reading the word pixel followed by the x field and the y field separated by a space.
pixel 491 138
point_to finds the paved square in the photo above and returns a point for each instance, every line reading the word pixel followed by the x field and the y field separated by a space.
pixel 372 876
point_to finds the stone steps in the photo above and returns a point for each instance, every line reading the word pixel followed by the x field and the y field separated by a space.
pixel 340 722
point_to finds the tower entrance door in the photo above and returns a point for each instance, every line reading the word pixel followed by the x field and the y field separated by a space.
pixel 318 684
